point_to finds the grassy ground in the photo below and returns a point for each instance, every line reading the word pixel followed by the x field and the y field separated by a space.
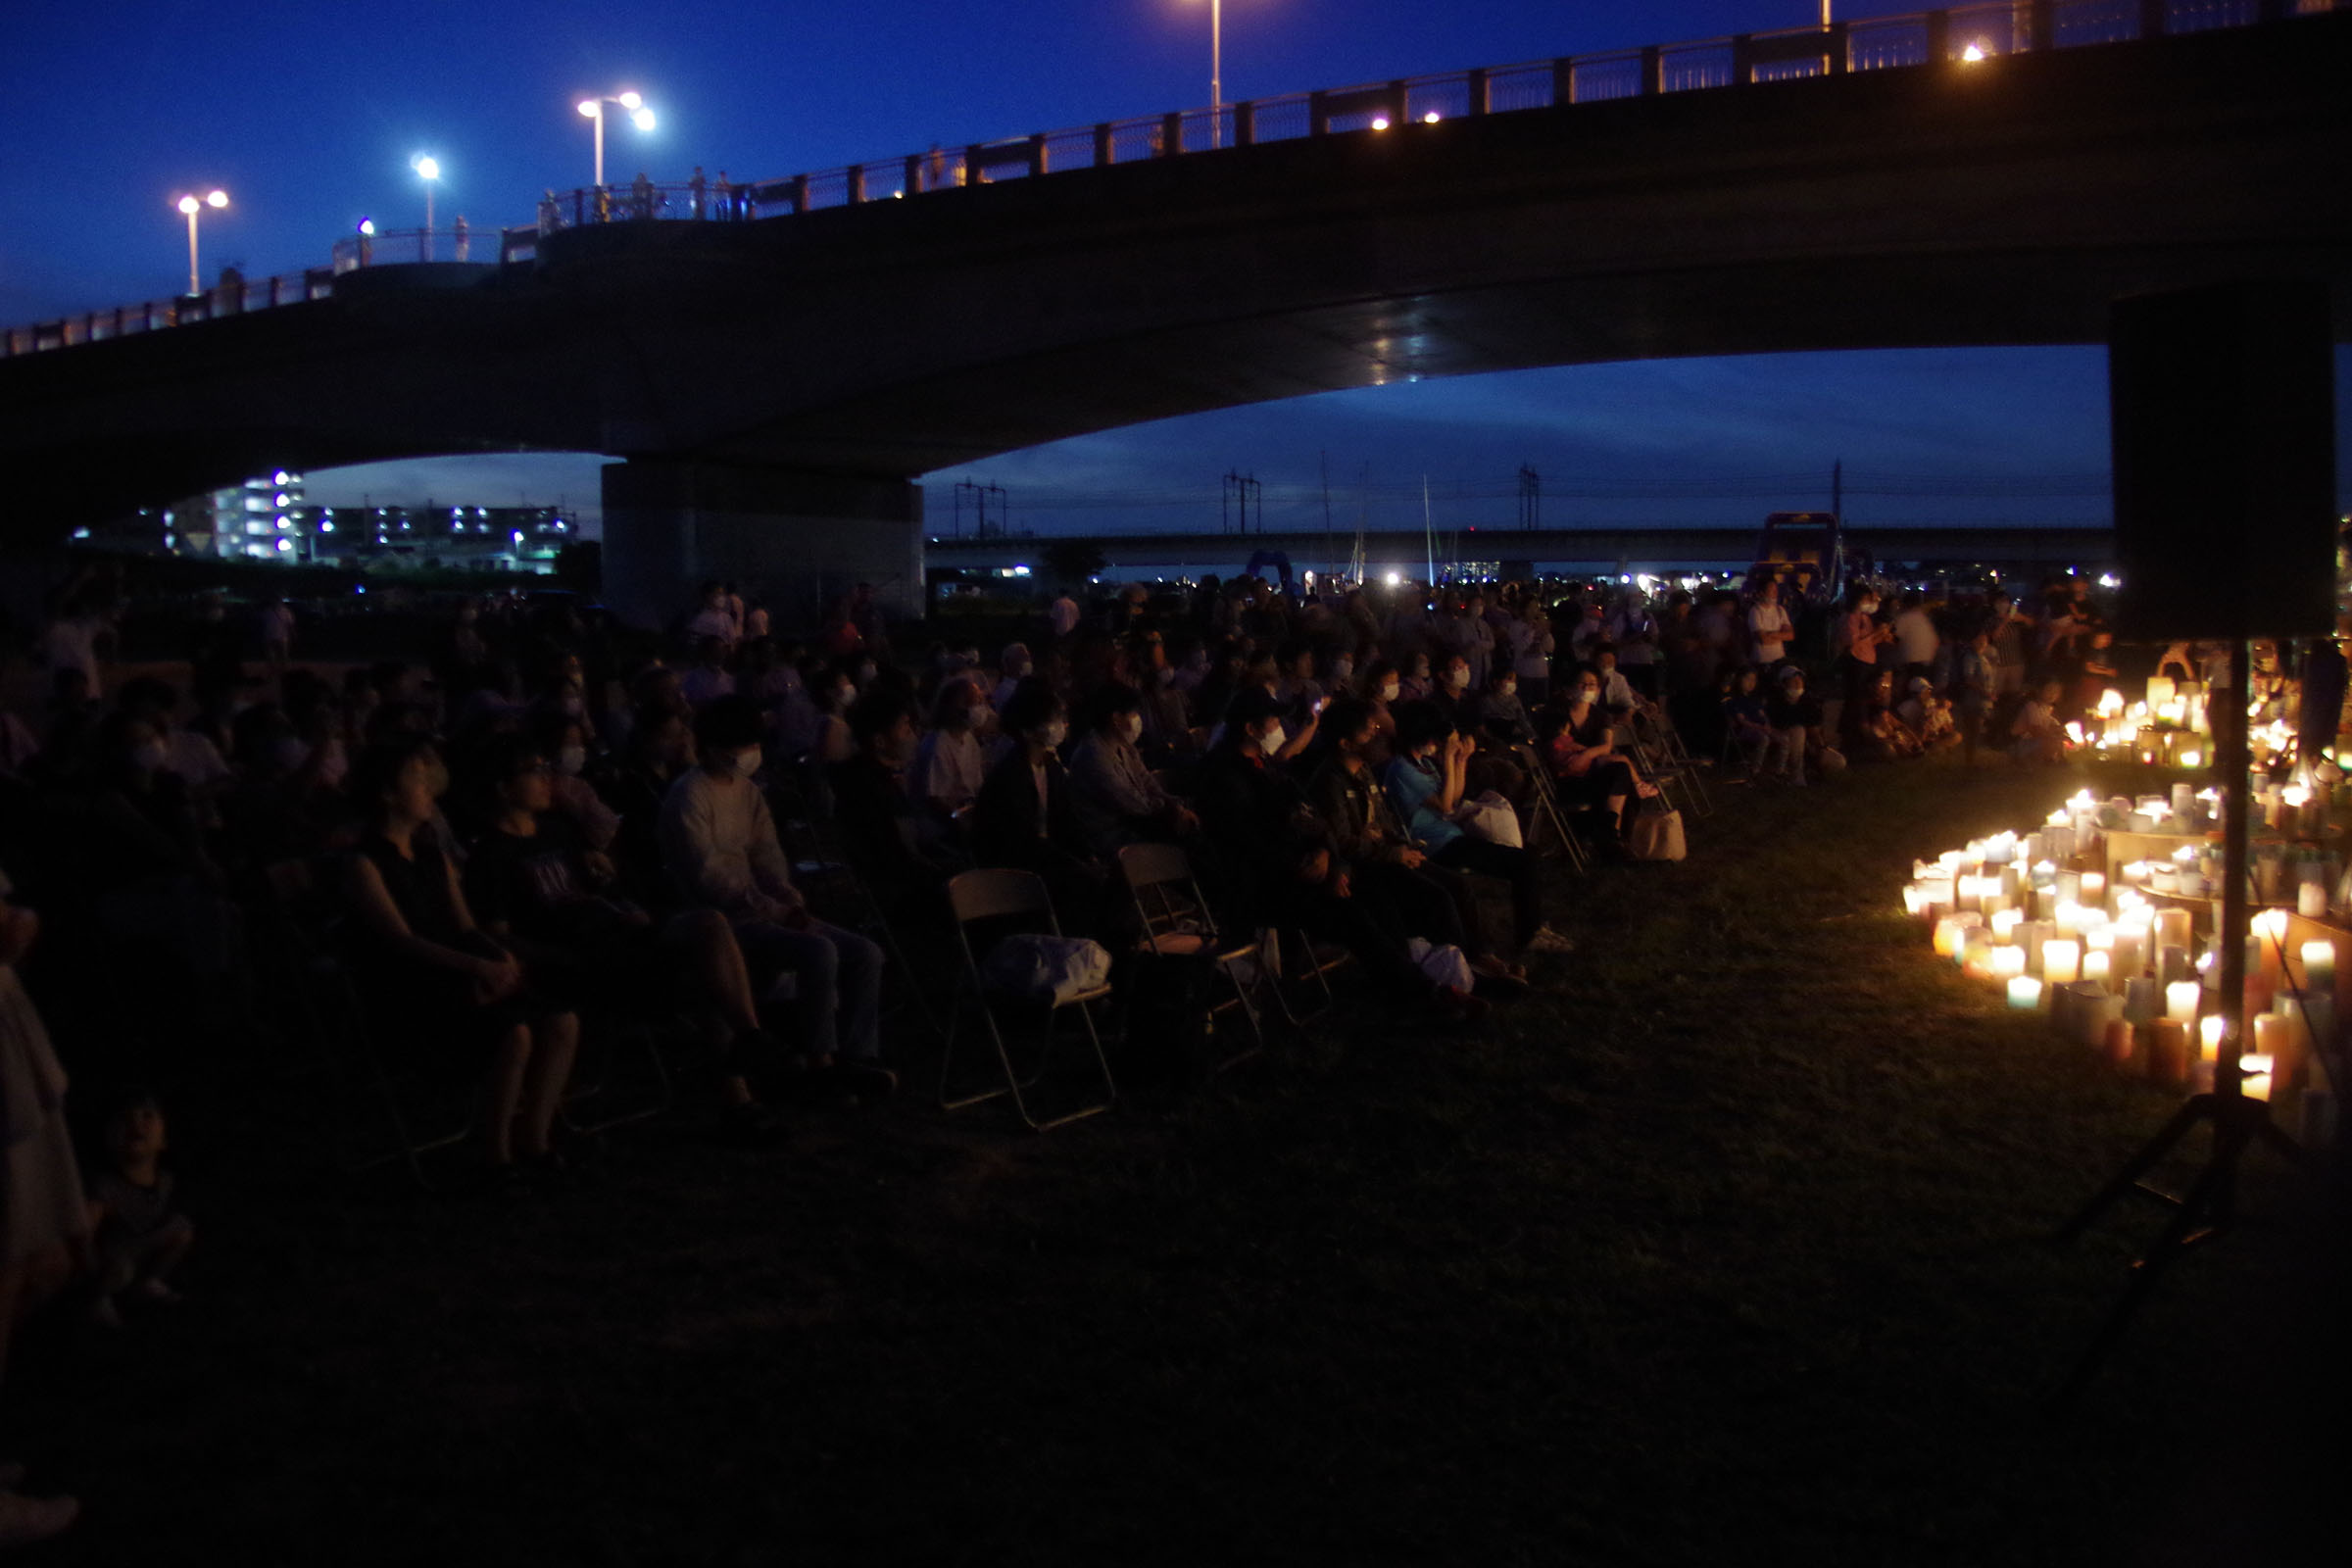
pixel 1725 1247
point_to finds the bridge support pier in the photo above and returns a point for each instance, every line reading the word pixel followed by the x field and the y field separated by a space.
pixel 790 539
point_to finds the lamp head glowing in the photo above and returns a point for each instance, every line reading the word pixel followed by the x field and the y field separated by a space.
pixel 1973 53
pixel 643 118
pixel 630 101
pixel 1430 118
pixel 187 204
pixel 366 226
pixel 1380 123
pixel 590 108
pixel 427 167
pixel 218 198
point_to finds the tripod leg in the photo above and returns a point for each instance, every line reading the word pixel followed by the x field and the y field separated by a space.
pixel 2197 1108
pixel 2177 1238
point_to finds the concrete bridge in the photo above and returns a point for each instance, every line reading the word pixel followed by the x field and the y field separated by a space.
pixel 777 385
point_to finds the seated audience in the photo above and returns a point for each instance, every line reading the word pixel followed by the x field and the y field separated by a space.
pixel 1426 782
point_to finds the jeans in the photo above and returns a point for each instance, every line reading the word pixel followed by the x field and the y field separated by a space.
pixel 837 983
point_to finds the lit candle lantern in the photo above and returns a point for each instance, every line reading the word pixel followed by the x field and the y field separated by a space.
pixel 2274 1037
pixel 2094 891
pixel 1976 954
pixel 2069 917
pixel 2160 689
pixel 2318 967
pixel 2061 960
pixel 2006 921
pixel 2007 961
pixel 2254 1075
pixel 2030 936
pixel 2097 965
pixel 1952 931
pixel 2181 999
pixel 2128 948
pixel 2193 759
pixel 2311 900
pixel 2025 991
pixel 2209 1037
pixel 2172 928
pixel 2118 1042
pixel 1913 901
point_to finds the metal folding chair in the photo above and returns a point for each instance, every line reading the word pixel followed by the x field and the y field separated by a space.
pixel 1549 814
pixel 994 896
pixel 1318 961
pixel 1677 756
pixel 823 867
pixel 1176 921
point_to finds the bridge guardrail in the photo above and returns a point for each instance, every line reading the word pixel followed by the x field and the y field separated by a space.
pixel 1880 43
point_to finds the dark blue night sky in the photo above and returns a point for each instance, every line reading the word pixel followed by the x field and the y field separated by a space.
pixel 309 114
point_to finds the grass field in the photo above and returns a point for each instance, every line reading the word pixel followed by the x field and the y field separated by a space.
pixel 1726 1245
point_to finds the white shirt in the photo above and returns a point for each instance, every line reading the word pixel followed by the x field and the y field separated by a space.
pixel 1770 624
pixel 948 766
pixel 1915 635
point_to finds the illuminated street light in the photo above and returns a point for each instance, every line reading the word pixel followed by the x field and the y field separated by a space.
pixel 1380 121
pixel 594 108
pixel 192 205
pixel 1973 53
pixel 428 169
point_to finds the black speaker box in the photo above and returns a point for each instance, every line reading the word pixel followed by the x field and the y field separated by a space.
pixel 2224 435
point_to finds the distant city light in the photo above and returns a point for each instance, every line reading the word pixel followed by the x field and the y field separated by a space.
pixel 427 167
pixel 367 225
pixel 1380 121
pixel 1973 53
pixel 279 477
pixel 1394 578
pixel 1430 118
pixel 285 544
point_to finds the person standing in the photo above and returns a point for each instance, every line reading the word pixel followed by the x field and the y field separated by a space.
pixel 1915 636
pixel 1769 627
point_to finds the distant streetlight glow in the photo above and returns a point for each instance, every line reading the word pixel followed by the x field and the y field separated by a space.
pixel 428 169
pixel 191 206
pixel 1430 118
pixel 594 108
pixel 1380 121
pixel 1973 53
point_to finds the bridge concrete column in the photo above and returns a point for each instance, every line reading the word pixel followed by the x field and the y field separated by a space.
pixel 788 538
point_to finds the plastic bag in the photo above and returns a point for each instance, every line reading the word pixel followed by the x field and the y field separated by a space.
pixel 1038 967
pixel 1491 817
pixel 1444 963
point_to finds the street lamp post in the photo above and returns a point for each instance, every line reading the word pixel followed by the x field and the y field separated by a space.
pixel 428 169
pixel 192 205
pixel 594 109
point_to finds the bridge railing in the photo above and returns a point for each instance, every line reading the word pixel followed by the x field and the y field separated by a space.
pixel 1880 43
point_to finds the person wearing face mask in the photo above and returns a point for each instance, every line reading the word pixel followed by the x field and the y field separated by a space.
pixel 1427 783
pixel 1502 715
pixel 1529 640
pixel 1384 688
pixel 1414 684
pixel 719 847
pixel 1408 894
pixel 1281 868
pixel 1861 635
pixel 1025 816
pixel 1117 800
pixel 948 764
pixel 1580 749
pixel 563 743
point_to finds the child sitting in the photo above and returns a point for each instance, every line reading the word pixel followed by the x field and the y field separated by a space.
pixel 140 1237
pixel 2035 734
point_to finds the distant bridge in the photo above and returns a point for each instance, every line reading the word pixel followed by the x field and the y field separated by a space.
pixel 1599 549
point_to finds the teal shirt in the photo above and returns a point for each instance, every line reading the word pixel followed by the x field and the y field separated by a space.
pixel 1414 787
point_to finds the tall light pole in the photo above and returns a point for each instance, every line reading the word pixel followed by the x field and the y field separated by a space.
pixel 1216 55
pixel 428 169
pixel 594 109
pixel 192 205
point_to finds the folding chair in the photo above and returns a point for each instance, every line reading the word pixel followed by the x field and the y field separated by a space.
pixel 1549 814
pixel 1677 756
pixel 1176 921
pixel 1321 960
pixel 991 896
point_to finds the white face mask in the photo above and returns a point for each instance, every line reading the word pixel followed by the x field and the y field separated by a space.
pixel 1509 688
pixel 1390 690
pixel 1054 733
pixel 149 755
pixel 1588 694
pixel 571 759
pixel 1457 678
pixel 1132 726
pixel 747 761
pixel 1272 741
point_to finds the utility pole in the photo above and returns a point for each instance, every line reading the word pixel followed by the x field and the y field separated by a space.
pixel 1531 498
pixel 1240 497
pixel 1331 564
pixel 980 494
pixel 1837 488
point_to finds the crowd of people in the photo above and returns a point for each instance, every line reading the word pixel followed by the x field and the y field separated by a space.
pixel 552 823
